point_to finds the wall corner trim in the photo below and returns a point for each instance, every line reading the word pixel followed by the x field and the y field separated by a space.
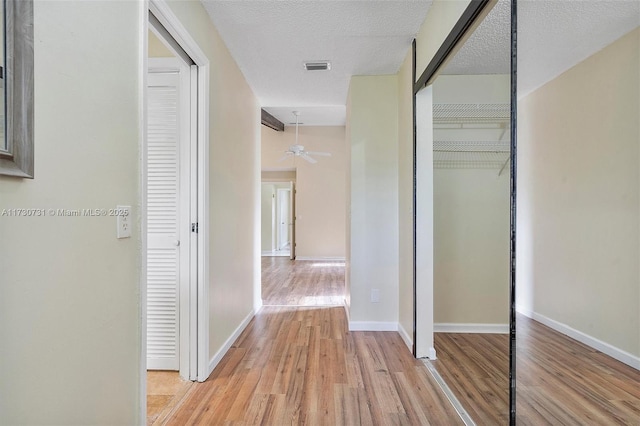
pixel 215 360
pixel 471 328
pixel 372 326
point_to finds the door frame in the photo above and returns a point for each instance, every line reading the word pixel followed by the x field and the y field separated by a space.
pixel 199 319
pixel 292 212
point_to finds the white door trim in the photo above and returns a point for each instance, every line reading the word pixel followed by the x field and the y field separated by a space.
pixel 172 24
pixel 424 225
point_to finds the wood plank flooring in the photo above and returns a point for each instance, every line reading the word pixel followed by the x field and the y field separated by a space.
pixel 300 365
pixel 476 369
pixel 165 390
pixel 302 282
pixel 559 381
pixel 562 381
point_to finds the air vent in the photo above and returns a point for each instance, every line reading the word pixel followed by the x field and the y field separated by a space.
pixel 317 66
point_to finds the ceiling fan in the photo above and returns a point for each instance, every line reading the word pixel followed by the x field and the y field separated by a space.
pixel 298 150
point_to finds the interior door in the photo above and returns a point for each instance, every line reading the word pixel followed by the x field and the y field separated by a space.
pixel 168 205
pixel 284 212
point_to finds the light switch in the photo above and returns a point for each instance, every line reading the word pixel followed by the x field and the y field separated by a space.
pixel 123 221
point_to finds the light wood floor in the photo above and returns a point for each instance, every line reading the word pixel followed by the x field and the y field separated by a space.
pixel 165 390
pixel 559 381
pixel 476 369
pixel 302 282
pixel 300 365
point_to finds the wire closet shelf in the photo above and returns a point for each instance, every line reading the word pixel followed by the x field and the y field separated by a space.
pixel 471 136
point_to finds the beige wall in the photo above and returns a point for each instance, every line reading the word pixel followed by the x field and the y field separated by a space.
pixel 364 122
pixel 157 49
pixel 579 196
pixel 373 258
pixel 440 19
pixel 471 218
pixel 70 291
pixel 347 184
pixel 234 183
pixel 471 246
pixel 405 198
pixel 320 196
pixel 267 206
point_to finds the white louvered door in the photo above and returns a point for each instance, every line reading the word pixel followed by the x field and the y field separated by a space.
pixel 167 214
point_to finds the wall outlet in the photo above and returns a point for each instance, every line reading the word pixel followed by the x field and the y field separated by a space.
pixel 375 295
pixel 123 221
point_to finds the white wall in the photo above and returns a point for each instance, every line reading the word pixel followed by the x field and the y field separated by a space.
pixel 234 185
pixel 320 187
pixel 579 199
pixel 70 291
pixel 373 256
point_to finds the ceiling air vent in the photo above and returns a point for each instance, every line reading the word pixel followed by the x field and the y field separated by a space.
pixel 317 66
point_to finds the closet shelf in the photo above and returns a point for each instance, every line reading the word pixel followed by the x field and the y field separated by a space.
pixel 469 160
pixel 471 146
pixel 471 113
pixel 469 153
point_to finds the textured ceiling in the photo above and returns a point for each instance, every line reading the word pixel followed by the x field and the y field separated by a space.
pixel 555 35
pixel 487 50
pixel 271 40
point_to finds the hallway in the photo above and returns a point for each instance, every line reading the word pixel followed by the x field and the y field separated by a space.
pixel 301 365
pixel 302 282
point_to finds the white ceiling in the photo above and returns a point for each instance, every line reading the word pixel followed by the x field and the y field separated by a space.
pixel 553 36
pixel 556 35
pixel 270 40
pixel 487 50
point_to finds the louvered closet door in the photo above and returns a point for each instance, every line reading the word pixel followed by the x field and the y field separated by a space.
pixel 163 218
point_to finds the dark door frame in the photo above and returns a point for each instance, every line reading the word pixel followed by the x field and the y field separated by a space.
pixel 466 21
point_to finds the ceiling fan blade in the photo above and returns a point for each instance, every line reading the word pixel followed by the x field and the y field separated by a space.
pixel 285 156
pixel 324 154
pixel 309 159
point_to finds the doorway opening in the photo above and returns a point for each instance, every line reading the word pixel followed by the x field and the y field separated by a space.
pixel 174 213
pixel 278 219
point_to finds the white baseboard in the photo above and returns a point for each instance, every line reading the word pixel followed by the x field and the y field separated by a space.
pixel 408 339
pixel 606 348
pixel 471 328
pixel 432 354
pixel 257 305
pixel 321 259
pixel 372 326
pixel 524 311
pixel 227 344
